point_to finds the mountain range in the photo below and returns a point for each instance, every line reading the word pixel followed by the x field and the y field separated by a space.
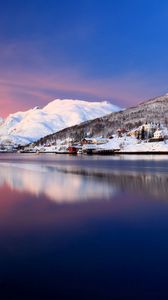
pixel 154 110
pixel 76 119
pixel 29 126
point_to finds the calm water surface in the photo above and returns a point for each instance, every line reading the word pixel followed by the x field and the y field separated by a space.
pixel 83 227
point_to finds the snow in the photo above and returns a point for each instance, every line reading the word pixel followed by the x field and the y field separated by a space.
pixel 130 144
pixel 29 126
pixel 123 144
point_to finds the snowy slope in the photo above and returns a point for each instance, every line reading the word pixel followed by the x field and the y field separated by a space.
pixel 154 110
pixel 130 144
pixel 29 126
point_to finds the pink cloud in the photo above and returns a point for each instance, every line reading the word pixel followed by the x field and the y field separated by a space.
pixel 22 88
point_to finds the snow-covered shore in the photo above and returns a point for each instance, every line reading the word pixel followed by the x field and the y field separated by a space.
pixel 130 144
pixel 125 144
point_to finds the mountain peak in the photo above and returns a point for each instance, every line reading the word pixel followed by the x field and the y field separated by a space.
pixel 29 126
pixel 59 104
pixel 36 107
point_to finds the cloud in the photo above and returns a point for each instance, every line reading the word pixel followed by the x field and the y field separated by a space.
pixel 23 90
pixel 28 79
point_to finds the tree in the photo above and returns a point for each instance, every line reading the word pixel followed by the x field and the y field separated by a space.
pixel 142 133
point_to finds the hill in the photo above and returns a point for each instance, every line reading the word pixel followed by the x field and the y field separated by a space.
pixel 153 110
pixel 29 126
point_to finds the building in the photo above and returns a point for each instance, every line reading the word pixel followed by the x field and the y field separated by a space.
pixel 134 133
pixel 158 134
pixel 121 131
pixel 72 150
pixel 87 141
pixel 96 141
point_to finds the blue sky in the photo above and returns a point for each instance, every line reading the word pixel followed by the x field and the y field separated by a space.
pixel 107 50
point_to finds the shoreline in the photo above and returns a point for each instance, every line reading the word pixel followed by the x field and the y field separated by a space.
pixel 111 153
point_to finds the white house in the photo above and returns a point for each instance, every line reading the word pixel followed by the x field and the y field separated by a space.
pixel 158 134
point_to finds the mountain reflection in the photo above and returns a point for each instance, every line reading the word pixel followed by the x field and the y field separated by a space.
pixel 75 183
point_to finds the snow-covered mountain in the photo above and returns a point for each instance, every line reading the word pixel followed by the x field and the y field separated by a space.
pixel 31 125
pixel 154 110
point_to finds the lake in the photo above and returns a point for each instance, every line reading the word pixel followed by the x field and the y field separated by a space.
pixel 83 227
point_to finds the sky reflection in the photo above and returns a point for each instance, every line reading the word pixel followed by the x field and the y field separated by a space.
pixel 84 228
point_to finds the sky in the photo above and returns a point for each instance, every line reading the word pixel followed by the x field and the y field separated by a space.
pixel 114 50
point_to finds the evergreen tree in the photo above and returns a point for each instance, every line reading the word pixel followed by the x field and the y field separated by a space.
pixel 142 133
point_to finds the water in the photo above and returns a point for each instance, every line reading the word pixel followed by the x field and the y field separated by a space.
pixel 83 227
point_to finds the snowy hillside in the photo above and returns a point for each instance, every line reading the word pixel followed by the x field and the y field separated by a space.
pixel 154 110
pixel 29 126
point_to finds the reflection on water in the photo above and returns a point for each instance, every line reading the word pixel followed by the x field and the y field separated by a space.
pixel 56 183
pixel 86 228
pixel 67 183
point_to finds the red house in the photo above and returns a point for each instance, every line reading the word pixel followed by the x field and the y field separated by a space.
pixel 72 150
